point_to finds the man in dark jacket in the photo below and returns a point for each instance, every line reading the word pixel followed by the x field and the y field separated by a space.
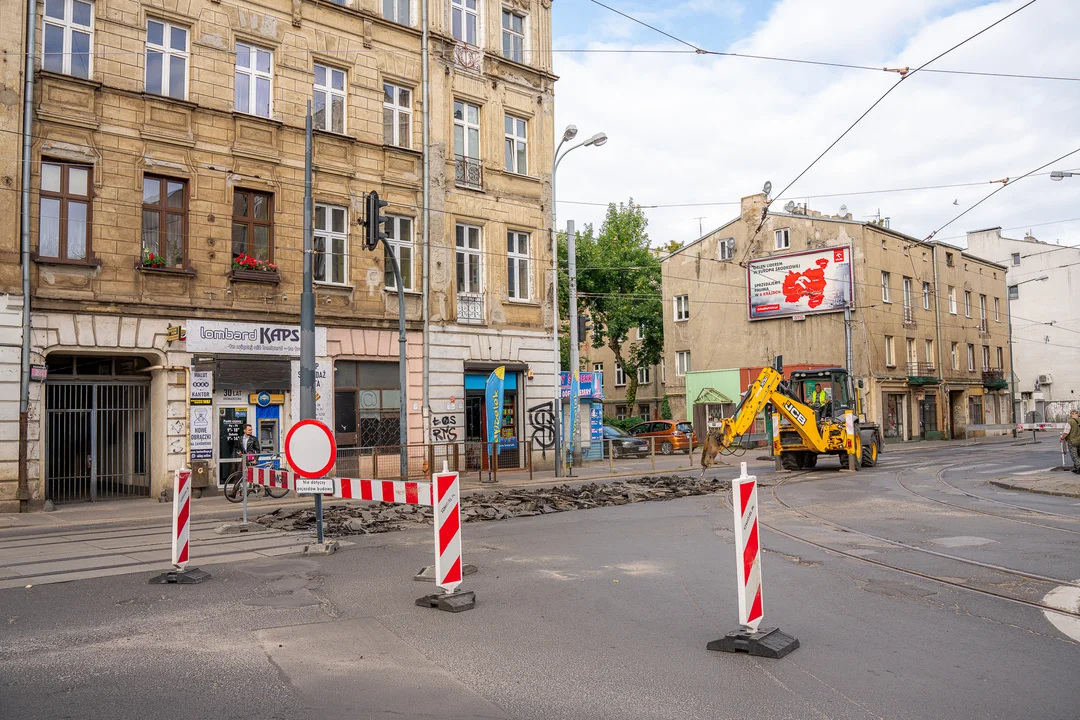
pixel 1072 437
pixel 249 444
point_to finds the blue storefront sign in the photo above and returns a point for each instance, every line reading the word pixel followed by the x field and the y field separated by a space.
pixel 590 385
pixel 493 397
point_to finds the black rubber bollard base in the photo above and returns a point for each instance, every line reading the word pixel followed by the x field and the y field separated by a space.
pixel 766 642
pixel 454 602
pixel 191 576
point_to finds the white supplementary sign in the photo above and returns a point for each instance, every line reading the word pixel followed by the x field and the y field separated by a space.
pixel 803 283
pixel 310 449
pixel 246 338
pixel 202 438
pixel 324 395
pixel 747 548
pixel 315 486
pixel 202 387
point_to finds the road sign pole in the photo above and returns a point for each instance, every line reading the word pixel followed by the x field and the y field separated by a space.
pixel 307 314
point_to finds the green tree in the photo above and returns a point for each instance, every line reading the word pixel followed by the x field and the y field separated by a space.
pixel 619 287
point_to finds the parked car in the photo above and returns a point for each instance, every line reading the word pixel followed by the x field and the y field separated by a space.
pixel 670 436
pixel 622 444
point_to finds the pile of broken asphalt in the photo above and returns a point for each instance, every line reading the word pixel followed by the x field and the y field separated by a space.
pixel 372 518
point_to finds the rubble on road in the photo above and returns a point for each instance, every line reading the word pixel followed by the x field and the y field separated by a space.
pixel 372 518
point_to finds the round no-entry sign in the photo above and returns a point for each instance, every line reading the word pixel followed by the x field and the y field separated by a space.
pixel 310 448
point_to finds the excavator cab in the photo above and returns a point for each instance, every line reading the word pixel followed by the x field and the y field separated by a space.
pixel 839 391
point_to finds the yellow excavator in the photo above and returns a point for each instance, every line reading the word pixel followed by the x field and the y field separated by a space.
pixel 828 426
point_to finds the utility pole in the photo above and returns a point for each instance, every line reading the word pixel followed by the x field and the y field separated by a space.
pixel 571 254
pixel 700 230
pixel 307 313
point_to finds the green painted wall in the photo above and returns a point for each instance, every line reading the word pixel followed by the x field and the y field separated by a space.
pixel 725 381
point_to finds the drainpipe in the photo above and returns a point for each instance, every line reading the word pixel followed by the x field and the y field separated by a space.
pixel 943 402
pixel 426 125
pixel 23 491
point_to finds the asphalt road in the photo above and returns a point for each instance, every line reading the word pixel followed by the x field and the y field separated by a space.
pixel 602 614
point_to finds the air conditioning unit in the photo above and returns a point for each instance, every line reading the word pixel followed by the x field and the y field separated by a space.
pixel 1046 379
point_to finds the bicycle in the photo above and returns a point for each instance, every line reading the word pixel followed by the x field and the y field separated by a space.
pixel 236 485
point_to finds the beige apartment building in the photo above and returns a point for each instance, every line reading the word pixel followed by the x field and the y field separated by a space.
pixel 167 229
pixel 652 383
pixel 929 325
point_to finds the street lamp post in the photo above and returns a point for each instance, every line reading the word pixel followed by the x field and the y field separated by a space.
pixel 596 140
pixel 1059 175
pixel 1012 368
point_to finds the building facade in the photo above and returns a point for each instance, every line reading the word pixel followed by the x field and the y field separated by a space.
pixel 651 388
pixel 167 228
pixel 1045 321
pixel 929 326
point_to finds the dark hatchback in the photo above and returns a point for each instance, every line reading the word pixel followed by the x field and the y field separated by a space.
pixel 622 444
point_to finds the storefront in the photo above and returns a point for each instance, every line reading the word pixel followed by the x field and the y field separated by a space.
pixel 476 448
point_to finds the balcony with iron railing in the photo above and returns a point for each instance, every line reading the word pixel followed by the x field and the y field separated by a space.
pixel 470 308
pixel 468 172
pixel 909 315
pixel 922 373
pixel 994 379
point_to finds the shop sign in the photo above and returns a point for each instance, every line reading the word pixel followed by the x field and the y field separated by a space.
pixel 590 385
pixel 324 395
pixel 245 338
pixel 266 399
pixel 202 438
pixel 202 387
pixel 596 422
pixel 175 333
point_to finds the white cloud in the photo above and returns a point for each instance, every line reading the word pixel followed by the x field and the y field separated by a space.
pixel 688 129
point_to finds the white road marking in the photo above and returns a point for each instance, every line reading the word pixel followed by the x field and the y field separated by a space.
pixel 1033 472
pixel 1065 597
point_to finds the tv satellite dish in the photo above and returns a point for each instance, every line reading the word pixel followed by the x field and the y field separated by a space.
pixel 843 209
pixel 790 206
pixel 768 187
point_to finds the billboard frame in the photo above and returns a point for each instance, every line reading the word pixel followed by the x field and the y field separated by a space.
pixel 802 311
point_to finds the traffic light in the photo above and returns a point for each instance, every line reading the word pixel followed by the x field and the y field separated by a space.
pixel 374 221
pixel 581 328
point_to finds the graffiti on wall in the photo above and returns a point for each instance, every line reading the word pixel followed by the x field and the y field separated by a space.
pixel 444 428
pixel 542 419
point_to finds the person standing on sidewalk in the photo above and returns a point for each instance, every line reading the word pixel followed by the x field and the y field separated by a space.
pixel 1072 437
pixel 249 444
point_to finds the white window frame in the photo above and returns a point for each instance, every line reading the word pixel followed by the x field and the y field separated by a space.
pixel 398 110
pixel 1014 292
pixel 167 53
pixel 464 123
pixel 1000 358
pixel 885 277
pixel 68 26
pixel 907 287
pixel 329 236
pixel 395 8
pixel 952 300
pixel 930 353
pixel 982 309
pixel 681 307
pixel 522 36
pixel 912 352
pixel 514 261
pixel 469 12
pixel 663 372
pixel 955 356
pixel 971 357
pixel 890 351
pixel 517 143
pixel 726 249
pixel 997 310
pixel 598 367
pixel 782 239
pixel 397 244
pixel 967 303
pixel 986 357
pixel 329 93
pixel 620 376
pixel 926 296
pixel 1016 258
pixel 477 253
pixel 254 75
pixel 644 375
pixel 682 362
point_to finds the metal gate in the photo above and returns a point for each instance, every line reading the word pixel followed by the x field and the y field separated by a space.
pixel 97 437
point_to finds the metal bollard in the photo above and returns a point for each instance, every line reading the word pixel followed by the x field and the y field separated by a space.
pixel 243 484
pixel 610 455
pixel 652 452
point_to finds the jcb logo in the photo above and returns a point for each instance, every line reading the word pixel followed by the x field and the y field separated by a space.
pixel 795 413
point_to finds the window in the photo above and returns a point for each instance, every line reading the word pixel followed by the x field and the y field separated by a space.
pixel 65 217
pixel 644 375
pixel 331 244
pixel 971 357
pixel 1014 292
pixel 516 145
pixel 952 300
pixel 907 293
pixel 620 412
pixel 890 352
pixel 397 11
pixel 67 37
pixel 885 287
pixel 513 36
pixel 399 240
pixel 166 59
pixel 1000 359
pixel 467 144
pixel 982 313
pixel 463 20
pixel 930 354
pixel 926 296
pixel 783 239
pixel 518 277
pixel 620 376
pixel 253 80
pixel 164 221
pixel 682 307
pixel 997 309
pixel 727 249
pixel 912 352
pixel 682 362
pixel 949 259
pixel 967 303
pixel 468 259
pixel 367 403
pixel 1016 258
pixel 663 371
pixel 397 115
pixel 956 356
pixel 598 367
pixel 328 99
pixel 986 357
pixel 253 230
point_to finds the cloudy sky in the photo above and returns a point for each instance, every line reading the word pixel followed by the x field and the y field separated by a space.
pixel 686 128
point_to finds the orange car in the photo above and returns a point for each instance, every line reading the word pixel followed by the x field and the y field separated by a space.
pixel 670 436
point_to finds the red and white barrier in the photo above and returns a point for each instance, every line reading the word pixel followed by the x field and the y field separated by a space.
pixel 181 533
pixel 403 492
pixel 748 548
pixel 1042 426
pixel 448 532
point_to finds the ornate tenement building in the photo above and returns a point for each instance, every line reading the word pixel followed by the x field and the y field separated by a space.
pixel 166 228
